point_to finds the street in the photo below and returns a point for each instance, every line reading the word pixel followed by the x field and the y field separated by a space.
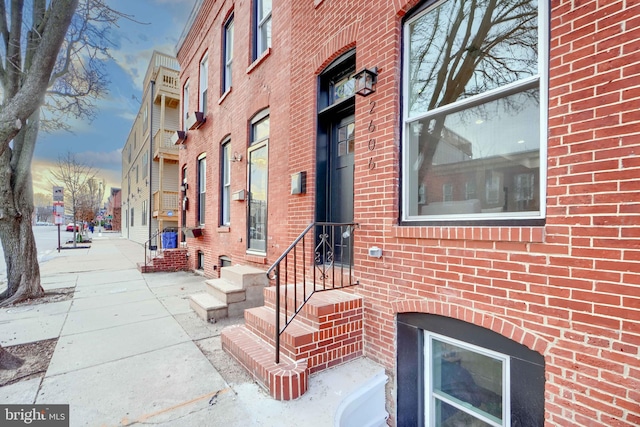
pixel 46 242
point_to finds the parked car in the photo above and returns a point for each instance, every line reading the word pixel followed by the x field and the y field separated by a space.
pixel 70 227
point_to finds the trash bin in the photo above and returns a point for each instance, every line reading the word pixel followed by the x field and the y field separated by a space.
pixel 169 240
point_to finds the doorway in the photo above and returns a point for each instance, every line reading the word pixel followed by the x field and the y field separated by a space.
pixel 335 156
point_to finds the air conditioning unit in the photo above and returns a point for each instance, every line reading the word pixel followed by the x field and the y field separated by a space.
pixel 195 120
pixel 178 137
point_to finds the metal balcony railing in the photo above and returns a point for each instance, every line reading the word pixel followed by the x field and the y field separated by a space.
pixel 319 259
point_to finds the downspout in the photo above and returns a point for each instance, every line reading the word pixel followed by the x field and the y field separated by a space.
pixel 150 209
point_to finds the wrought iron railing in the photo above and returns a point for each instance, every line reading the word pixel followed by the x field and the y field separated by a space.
pixel 319 259
pixel 151 248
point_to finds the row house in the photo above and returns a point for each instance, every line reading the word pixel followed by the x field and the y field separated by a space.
pixel 472 167
pixel 149 159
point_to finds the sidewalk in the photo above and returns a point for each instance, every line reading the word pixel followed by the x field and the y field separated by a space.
pixel 131 351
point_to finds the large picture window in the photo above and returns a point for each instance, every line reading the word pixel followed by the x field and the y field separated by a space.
pixel 474 106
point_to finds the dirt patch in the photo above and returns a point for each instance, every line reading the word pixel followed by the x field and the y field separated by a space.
pixel 52 295
pixel 36 357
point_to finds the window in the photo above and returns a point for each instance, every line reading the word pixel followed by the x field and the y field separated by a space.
pixel 474 106
pixel 145 120
pixel 144 212
pixel 137 173
pixel 454 373
pixel 132 217
pixel 225 181
pixel 145 164
pixel 185 105
pixel 202 187
pixel 262 29
pixel 227 55
pixel 200 265
pixel 258 178
pixel 466 385
pixel 204 84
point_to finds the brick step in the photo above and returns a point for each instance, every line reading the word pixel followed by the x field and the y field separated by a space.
pixel 319 308
pixel 207 306
pixel 287 380
pixel 295 342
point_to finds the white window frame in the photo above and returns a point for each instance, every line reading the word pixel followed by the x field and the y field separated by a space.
pixel 204 84
pixel 225 180
pixel 228 55
pixel 428 385
pixel 409 158
pixel 185 105
pixel 262 44
pixel 202 188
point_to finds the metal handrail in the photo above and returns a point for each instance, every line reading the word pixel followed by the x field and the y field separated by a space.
pixel 328 269
pixel 151 248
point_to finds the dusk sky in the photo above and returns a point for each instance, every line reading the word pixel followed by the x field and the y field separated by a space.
pixel 99 144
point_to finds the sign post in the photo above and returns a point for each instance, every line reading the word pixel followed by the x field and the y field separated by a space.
pixel 58 209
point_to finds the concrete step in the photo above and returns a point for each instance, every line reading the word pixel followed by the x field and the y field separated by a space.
pixel 225 291
pixel 244 276
pixel 297 340
pixel 207 306
pixel 287 380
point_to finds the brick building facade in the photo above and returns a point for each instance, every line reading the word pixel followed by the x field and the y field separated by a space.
pixel 495 168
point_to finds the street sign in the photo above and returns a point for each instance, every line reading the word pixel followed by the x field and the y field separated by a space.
pixel 58 194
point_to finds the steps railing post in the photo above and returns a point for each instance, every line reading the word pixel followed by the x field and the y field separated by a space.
pixel 278 313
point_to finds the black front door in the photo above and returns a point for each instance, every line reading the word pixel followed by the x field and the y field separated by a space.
pixel 340 191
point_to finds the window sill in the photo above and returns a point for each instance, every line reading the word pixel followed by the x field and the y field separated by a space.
pixel 317 3
pixel 256 257
pixel 487 233
pixel 224 96
pixel 259 60
pixel 224 229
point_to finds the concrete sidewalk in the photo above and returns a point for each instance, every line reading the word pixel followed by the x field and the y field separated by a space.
pixel 131 351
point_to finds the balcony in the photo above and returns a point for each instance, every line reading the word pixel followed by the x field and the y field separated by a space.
pixel 165 202
pixel 167 84
pixel 163 147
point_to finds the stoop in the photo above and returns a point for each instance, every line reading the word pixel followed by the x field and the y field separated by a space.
pixel 326 332
pixel 238 288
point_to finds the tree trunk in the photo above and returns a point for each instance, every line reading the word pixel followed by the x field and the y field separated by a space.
pixel 21 257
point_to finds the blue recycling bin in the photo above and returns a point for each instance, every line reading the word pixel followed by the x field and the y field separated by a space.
pixel 169 240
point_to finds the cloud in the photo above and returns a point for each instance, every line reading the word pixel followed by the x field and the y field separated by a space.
pixel 43 180
pixel 101 160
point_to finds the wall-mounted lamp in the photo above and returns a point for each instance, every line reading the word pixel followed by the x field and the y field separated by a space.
pixel 236 157
pixel 299 183
pixel 366 81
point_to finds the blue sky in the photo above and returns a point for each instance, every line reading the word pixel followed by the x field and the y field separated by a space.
pixel 99 143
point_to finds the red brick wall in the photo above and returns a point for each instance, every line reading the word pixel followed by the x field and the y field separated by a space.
pixel 255 86
pixel 569 289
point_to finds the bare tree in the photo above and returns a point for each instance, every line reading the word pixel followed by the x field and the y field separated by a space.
pixel 25 74
pixel 74 176
pixel 52 73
